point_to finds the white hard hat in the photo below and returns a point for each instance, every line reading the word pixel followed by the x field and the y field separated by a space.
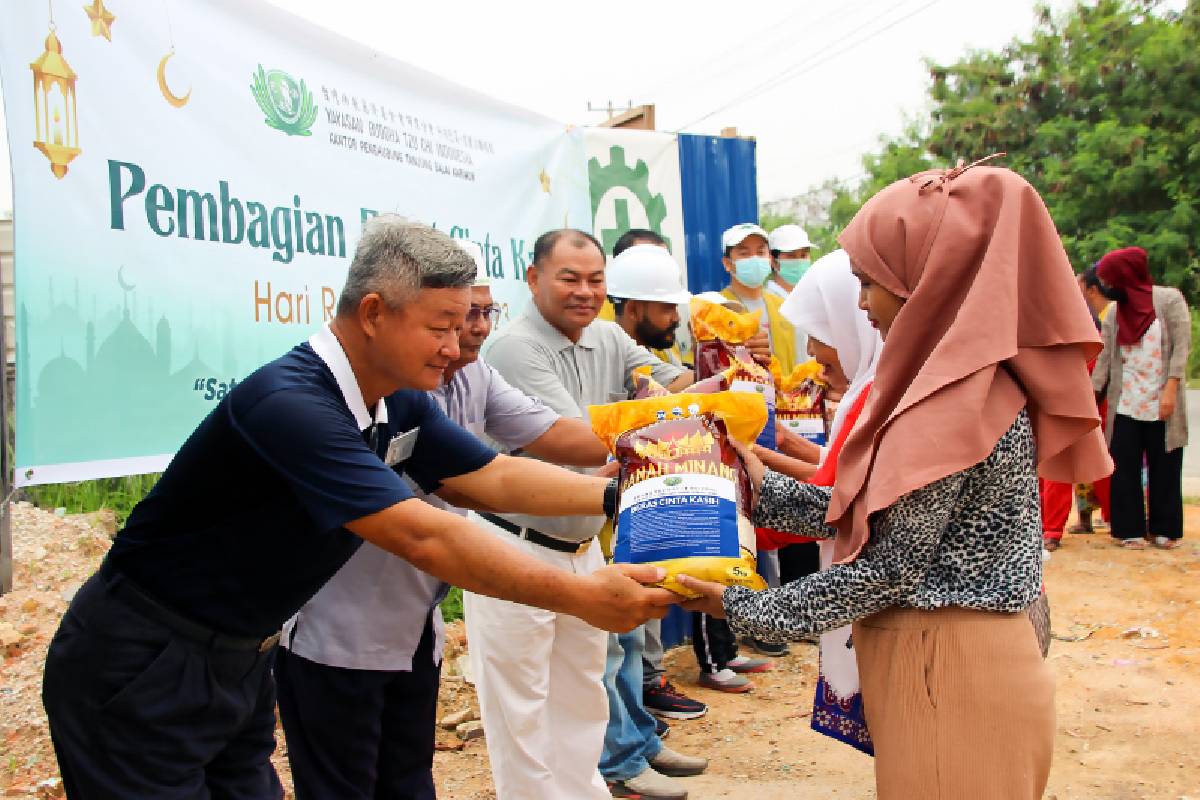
pixel 646 272
pixel 738 233
pixel 713 297
pixel 476 252
pixel 787 238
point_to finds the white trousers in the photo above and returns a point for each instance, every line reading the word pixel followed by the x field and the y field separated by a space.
pixel 539 676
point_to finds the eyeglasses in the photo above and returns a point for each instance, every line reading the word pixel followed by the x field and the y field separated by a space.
pixel 491 313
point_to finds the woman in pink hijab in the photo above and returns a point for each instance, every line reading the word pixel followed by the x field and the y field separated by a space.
pixel 982 384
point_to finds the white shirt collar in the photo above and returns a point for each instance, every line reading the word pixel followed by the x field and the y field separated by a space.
pixel 329 349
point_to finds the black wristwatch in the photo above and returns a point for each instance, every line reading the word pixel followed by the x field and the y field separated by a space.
pixel 610 499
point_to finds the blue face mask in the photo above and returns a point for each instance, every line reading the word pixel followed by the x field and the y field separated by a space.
pixel 752 271
pixel 793 269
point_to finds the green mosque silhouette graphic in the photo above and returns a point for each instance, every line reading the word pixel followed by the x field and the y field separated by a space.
pixel 123 398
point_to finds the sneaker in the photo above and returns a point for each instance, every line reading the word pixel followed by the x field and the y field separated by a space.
pixel 649 785
pixel 747 664
pixel 725 681
pixel 661 729
pixel 769 648
pixel 677 765
pixel 664 700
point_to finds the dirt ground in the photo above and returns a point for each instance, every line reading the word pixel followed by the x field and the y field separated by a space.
pixel 1127 657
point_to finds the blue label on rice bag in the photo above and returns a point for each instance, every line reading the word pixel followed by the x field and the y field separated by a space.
pixel 808 427
pixel 680 515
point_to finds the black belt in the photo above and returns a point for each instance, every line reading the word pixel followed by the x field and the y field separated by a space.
pixel 135 597
pixel 537 537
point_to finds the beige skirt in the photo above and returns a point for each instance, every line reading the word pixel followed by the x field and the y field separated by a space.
pixel 960 704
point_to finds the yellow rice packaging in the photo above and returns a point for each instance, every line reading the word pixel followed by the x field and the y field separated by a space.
pixel 800 402
pixel 716 330
pixel 684 494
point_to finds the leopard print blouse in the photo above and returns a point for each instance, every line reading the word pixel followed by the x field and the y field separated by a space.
pixel 972 539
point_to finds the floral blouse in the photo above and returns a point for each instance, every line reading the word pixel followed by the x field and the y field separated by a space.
pixel 1143 375
pixel 972 539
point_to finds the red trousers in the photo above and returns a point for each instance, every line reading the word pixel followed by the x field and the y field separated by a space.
pixel 1056 506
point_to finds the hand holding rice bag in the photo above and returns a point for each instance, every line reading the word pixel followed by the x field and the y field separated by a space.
pixel 684 495
pixel 644 384
pixel 800 402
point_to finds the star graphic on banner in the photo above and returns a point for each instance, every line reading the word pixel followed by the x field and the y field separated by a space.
pixel 102 19
pixel 544 179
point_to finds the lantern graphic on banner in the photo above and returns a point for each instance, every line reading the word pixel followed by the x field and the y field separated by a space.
pixel 54 106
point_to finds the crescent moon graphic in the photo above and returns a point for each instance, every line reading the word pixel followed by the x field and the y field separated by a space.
pixel 178 102
pixel 129 287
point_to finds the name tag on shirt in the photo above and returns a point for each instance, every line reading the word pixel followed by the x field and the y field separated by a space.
pixel 401 447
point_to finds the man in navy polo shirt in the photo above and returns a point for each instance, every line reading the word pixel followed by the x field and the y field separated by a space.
pixel 158 681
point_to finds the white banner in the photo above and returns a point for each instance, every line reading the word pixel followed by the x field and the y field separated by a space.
pixel 188 191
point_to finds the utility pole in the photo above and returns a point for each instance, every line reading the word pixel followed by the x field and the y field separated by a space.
pixel 631 117
pixel 609 109
pixel 6 468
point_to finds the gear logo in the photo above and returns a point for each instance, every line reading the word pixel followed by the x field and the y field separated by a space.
pixel 636 180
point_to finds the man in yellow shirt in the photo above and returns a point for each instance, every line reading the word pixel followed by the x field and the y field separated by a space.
pixel 747 259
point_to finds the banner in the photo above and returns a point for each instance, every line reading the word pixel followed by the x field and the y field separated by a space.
pixel 190 180
pixel 633 182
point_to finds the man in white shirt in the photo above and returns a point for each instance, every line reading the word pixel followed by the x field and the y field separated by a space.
pixel 538 674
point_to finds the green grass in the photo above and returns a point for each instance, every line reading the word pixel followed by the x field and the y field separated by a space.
pixel 122 494
pixel 119 494
pixel 452 608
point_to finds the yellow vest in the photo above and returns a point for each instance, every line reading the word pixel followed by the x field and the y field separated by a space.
pixel 783 334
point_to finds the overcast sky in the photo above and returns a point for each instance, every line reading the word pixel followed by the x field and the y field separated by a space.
pixel 816 81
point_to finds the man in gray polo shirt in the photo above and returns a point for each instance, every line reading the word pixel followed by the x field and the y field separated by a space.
pixel 539 674
pixel 358 671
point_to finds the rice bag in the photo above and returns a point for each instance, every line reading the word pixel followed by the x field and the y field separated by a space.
pixel 716 330
pixel 747 375
pixel 683 493
pixel 644 384
pixel 800 403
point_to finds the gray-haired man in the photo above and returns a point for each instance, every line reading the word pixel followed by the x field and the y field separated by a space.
pixel 358 670
pixel 158 681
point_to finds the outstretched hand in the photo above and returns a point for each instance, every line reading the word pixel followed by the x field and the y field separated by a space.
pixel 711 599
pixel 618 597
pixel 754 467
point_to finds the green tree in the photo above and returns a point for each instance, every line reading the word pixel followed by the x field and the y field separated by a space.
pixel 1098 108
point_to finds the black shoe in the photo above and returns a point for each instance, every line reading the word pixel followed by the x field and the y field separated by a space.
pixel 661 728
pixel 664 700
pixel 769 649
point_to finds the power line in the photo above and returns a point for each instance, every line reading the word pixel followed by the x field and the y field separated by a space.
pixel 717 62
pixel 806 65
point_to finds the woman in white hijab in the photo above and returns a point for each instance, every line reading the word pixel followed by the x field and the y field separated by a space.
pixel 825 305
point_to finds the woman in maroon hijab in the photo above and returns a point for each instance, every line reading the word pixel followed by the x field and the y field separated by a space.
pixel 1145 355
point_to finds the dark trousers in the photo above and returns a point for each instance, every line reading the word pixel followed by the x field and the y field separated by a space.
pixel 798 560
pixel 713 641
pixel 356 734
pixel 137 711
pixel 1131 441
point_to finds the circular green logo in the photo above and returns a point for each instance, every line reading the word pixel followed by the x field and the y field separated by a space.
pixel 286 103
pixel 285 95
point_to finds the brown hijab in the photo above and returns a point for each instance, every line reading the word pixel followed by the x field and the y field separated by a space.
pixel 993 322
